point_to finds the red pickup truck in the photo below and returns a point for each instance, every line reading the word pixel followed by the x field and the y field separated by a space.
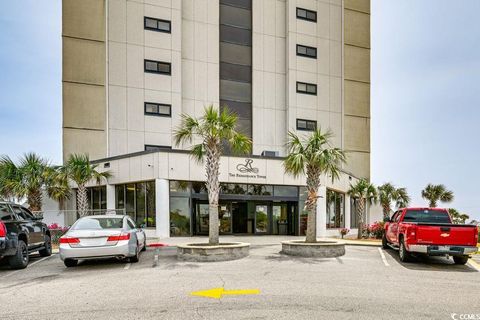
pixel 429 231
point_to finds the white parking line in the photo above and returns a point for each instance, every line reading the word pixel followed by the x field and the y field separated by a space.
pixel 127 266
pixel 384 259
pixel 474 264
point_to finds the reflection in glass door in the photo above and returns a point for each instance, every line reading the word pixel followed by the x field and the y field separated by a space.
pixel 202 218
pixel 225 217
pixel 279 219
pixel 261 219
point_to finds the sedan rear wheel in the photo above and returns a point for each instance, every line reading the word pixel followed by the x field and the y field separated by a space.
pixel 70 263
pixel 135 258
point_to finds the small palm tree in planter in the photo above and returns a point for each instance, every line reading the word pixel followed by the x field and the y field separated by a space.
pixel 313 156
pixel 364 192
pixel 80 170
pixel 215 129
pixel 436 192
pixel 388 193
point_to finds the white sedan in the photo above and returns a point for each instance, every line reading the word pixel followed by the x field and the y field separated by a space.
pixel 107 236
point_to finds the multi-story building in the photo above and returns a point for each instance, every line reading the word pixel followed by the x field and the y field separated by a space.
pixel 132 67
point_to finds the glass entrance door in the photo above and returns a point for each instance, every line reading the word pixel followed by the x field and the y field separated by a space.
pixel 279 219
pixel 261 219
pixel 202 218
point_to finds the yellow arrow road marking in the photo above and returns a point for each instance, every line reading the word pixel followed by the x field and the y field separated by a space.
pixel 217 293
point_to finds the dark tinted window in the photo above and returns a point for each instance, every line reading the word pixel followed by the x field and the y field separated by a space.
pixel 304 51
pixel 5 213
pixel 151 147
pixel 234 53
pixel 427 216
pixel 307 125
pixel 235 35
pixel 98 223
pixel 306 14
pixel 157 25
pixel 241 109
pixel 236 72
pixel 308 88
pixel 234 16
pixel 236 91
pixel 158 109
pixel 158 67
pixel 247 4
pixel 22 214
pixel 285 191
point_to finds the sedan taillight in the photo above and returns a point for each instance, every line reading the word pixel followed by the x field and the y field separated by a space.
pixel 3 230
pixel 69 240
pixel 119 237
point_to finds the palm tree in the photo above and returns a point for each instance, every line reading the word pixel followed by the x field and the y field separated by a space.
pixel 30 179
pixel 388 193
pixel 80 170
pixel 436 192
pixel 365 192
pixel 313 156
pixel 216 130
pixel 457 217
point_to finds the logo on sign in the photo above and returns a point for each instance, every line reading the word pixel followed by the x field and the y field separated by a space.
pixel 247 167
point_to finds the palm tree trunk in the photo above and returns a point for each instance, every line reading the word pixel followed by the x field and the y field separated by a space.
pixel 212 168
pixel 360 208
pixel 311 236
pixel 313 183
pixel 386 211
pixel 34 200
pixel 82 201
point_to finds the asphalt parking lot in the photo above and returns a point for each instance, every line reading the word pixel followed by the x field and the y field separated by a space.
pixel 360 285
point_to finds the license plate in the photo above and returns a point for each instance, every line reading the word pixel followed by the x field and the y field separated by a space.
pixel 443 248
pixel 92 242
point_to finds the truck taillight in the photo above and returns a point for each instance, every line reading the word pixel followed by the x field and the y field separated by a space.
pixel 3 230
pixel 119 237
pixel 412 232
pixel 476 230
pixel 69 240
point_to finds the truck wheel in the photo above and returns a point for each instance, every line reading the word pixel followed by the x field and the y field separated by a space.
pixel 403 253
pixel 21 258
pixel 47 250
pixel 460 259
pixel 70 263
pixel 385 242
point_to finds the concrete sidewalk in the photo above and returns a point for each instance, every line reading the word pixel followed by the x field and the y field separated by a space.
pixel 258 240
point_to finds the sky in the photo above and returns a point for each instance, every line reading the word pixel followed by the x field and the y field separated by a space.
pixel 425 74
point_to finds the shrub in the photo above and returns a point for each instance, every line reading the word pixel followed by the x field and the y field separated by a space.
pixel 56 231
pixel 376 230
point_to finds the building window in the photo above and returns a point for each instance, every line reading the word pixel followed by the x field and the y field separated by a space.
pixel 158 67
pixel 157 25
pixel 335 209
pixel 97 199
pixel 306 125
pixel 138 201
pixel 158 109
pixel 305 14
pixel 305 51
pixel 307 88
pixel 353 213
pixel 246 4
pixel 151 147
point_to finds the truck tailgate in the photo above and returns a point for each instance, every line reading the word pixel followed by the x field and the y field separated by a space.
pixel 446 234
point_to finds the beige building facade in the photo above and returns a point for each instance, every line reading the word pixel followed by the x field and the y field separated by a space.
pixel 132 67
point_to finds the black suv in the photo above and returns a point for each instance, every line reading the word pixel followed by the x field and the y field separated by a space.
pixel 22 233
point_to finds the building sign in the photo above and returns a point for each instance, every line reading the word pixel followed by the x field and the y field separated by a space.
pixel 247 170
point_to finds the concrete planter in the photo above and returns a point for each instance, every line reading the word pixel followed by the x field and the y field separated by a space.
pixel 320 249
pixel 203 252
